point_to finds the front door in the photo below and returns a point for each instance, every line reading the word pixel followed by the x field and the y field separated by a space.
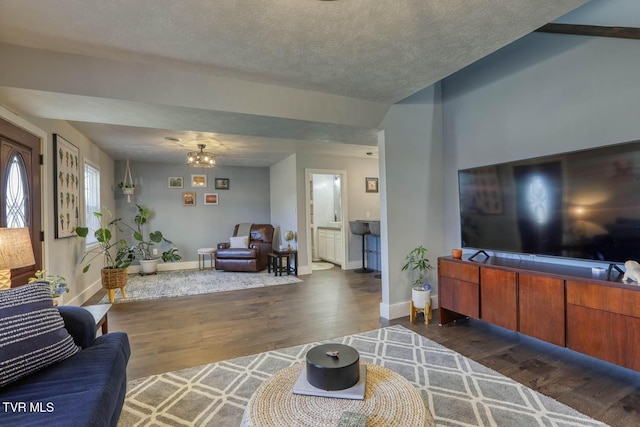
pixel 20 190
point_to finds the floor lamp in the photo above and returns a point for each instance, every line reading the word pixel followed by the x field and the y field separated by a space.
pixel 15 252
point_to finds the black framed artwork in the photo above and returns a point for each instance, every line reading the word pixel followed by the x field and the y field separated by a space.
pixel 371 185
pixel 67 187
pixel 222 183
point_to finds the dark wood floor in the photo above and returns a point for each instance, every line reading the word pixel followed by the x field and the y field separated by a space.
pixel 177 333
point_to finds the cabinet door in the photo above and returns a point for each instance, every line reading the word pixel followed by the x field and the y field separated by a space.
pixel 322 244
pixel 542 308
pixel 459 296
pixel 499 297
pixel 604 322
pixel 339 251
pixel 331 245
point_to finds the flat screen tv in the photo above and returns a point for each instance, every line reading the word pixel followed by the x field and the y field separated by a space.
pixel 583 204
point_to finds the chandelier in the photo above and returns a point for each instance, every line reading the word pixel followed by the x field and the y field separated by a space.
pixel 201 159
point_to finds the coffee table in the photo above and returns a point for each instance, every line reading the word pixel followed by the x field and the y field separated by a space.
pixel 390 400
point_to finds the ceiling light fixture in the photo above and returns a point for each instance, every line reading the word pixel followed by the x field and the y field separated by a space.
pixel 201 159
pixel 171 138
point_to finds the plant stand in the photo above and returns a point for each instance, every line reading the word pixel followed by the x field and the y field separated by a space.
pixel 112 279
pixel 127 182
pixel 427 311
pixel 420 302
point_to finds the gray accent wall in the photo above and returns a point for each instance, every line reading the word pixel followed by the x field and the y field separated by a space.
pixel 412 209
pixel 541 95
pixel 193 227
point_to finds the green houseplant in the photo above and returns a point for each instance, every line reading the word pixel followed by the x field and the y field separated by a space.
pixel 58 284
pixel 143 247
pixel 418 263
pixel 117 254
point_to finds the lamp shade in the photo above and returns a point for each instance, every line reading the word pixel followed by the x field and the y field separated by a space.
pixel 15 248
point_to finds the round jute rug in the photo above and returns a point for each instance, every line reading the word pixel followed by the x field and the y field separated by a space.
pixel 316 266
pixel 390 400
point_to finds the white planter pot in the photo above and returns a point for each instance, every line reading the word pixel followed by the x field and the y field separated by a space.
pixel 420 297
pixel 148 266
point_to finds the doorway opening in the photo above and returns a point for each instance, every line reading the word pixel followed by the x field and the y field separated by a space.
pixel 326 215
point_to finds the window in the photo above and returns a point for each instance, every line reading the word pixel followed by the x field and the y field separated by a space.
pixel 16 194
pixel 91 199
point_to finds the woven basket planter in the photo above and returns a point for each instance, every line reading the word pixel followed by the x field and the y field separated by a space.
pixel 113 278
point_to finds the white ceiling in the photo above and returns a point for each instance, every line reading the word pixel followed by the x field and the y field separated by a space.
pixel 374 51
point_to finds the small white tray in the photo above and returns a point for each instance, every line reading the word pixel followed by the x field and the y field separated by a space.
pixel 356 392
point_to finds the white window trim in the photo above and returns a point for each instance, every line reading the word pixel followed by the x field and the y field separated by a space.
pixel 90 241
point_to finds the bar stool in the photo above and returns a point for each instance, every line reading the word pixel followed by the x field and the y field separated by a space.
pixel 360 228
pixel 374 229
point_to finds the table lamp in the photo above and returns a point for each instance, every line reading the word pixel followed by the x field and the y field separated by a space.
pixel 15 252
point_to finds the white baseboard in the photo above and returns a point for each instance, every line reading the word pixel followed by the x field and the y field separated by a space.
pixel 84 296
pixel 401 309
pixel 303 270
pixel 168 266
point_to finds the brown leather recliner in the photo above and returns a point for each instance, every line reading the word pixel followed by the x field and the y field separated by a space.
pixel 253 258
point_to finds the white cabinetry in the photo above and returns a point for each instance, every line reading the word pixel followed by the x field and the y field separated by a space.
pixel 330 245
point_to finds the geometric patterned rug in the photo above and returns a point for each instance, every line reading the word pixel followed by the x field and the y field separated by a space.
pixel 458 391
pixel 178 283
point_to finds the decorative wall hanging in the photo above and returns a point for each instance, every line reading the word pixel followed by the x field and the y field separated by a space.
pixel 189 198
pixel 211 198
pixel 176 182
pixel 67 187
pixel 222 183
pixel 371 185
pixel 199 181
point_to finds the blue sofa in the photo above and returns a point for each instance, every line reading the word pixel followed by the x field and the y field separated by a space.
pixel 87 389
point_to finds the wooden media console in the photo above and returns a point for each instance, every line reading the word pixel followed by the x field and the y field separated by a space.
pixel 565 305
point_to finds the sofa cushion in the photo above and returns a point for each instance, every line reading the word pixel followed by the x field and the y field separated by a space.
pixel 84 390
pixel 239 242
pixel 32 333
pixel 237 253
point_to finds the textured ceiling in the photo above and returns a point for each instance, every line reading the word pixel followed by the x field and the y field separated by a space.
pixel 381 51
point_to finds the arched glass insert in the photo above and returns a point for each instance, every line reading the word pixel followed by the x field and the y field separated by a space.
pixel 16 195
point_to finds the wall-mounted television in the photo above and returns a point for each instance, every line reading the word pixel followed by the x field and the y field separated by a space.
pixel 583 204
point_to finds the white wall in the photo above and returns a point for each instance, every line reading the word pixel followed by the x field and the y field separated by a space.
pixel 282 177
pixel 412 213
pixel 542 95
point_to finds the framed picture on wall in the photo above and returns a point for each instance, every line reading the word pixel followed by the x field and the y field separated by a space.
pixel 222 183
pixel 189 198
pixel 211 198
pixel 371 185
pixel 66 187
pixel 199 181
pixel 176 182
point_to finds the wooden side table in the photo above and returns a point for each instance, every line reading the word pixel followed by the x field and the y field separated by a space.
pixel 99 313
pixel 278 258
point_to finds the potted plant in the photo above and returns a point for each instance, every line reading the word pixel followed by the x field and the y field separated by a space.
pixel 58 284
pixel 143 248
pixel 117 254
pixel 418 263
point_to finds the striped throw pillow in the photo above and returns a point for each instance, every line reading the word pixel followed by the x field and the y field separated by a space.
pixel 32 333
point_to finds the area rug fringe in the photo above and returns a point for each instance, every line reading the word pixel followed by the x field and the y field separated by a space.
pixel 179 283
pixel 458 391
